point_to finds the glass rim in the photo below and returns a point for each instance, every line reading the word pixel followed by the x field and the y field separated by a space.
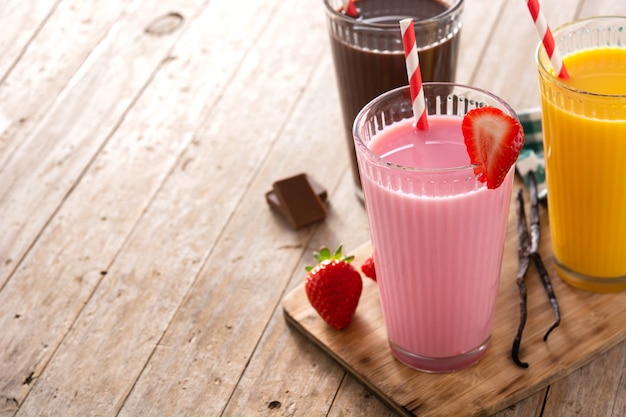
pixel 450 10
pixel 542 57
pixel 379 160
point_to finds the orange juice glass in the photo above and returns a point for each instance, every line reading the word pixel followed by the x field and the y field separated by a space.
pixel 584 129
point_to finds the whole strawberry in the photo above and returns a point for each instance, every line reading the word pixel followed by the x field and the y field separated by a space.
pixel 333 287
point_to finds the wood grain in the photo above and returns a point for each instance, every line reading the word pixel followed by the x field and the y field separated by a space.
pixel 21 22
pixel 591 325
pixel 278 352
pixel 134 273
pixel 54 135
pixel 105 208
pixel 514 50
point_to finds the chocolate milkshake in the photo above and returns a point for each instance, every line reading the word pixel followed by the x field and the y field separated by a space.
pixel 369 56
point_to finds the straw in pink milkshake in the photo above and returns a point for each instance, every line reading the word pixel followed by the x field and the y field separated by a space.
pixel 546 37
pixel 414 73
pixel 350 9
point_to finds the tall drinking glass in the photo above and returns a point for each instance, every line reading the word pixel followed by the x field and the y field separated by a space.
pixel 437 232
pixel 369 56
pixel 584 131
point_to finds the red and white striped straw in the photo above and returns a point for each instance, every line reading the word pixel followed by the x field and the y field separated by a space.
pixel 414 73
pixel 350 9
pixel 546 38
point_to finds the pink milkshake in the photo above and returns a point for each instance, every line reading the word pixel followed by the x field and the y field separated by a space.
pixel 437 232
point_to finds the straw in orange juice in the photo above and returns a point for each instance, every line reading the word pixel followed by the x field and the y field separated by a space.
pixel 585 147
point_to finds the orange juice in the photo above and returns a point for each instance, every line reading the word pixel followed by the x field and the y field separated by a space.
pixel 584 128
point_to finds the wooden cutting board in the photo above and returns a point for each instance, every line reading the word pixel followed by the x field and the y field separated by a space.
pixel 591 324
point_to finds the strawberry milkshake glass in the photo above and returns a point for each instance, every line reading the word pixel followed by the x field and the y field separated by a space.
pixel 437 231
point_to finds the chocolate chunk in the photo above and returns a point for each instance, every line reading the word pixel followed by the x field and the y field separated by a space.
pixel 319 189
pixel 299 199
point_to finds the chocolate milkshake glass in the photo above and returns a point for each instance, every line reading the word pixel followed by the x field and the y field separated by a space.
pixel 369 56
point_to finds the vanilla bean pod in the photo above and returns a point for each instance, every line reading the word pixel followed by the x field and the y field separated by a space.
pixel 524 260
pixel 535 230
pixel 534 251
pixel 545 278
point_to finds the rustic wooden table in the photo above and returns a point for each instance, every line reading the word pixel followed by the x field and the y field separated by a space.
pixel 141 272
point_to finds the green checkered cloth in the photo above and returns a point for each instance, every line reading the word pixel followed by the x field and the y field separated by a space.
pixel 531 156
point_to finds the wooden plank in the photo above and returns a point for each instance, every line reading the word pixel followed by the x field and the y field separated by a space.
pixel 47 128
pixel 134 304
pixel 511 49
pixel 597 389
pixel 203 377
pixel 20 21
pixel 619 408
pixel 592 324
pixel 38 60
pixel 355 399
pixel 530 406
pixel 479 18
pixel 42 299
pixel 259 386
pixel 602 8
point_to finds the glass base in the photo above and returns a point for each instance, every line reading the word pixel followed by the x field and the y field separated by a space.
pixel 589 283
pixel 439 365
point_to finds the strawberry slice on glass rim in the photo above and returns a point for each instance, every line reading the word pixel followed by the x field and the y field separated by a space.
pixel 493 140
